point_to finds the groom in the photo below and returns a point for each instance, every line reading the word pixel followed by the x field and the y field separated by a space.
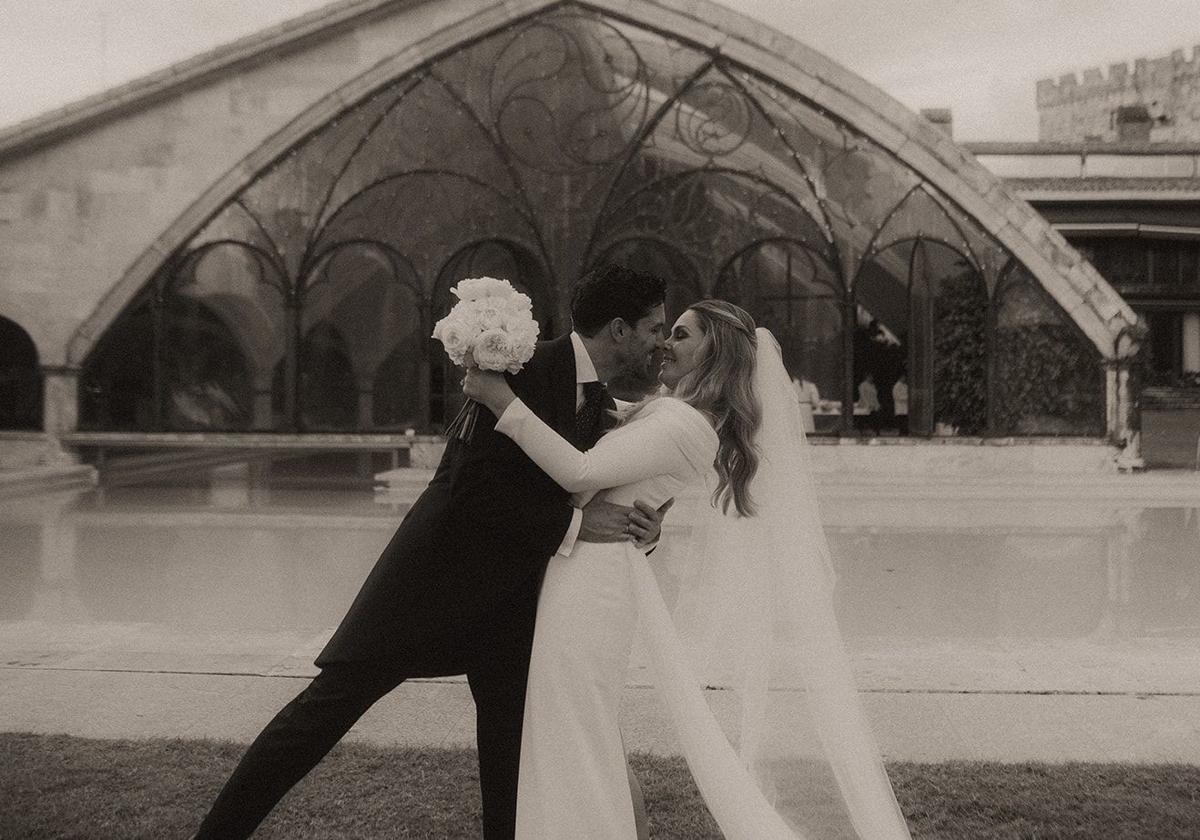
pixel 456 589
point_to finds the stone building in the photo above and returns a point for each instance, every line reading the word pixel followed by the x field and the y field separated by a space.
pixel 1117 171
pixel 255 244
pixel 1158 101
pixel 1133 209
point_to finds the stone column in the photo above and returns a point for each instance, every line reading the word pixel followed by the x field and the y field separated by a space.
pixel 366 405
pixel 60 406
pixel 262 414
pixel 1125 422
pixel 60 410
pixel 1191 342
pixel 366 420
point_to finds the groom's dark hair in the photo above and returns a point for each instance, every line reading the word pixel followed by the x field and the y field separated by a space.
pixel 614 291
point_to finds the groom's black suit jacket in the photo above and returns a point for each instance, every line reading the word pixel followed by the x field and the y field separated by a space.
pixel 458 583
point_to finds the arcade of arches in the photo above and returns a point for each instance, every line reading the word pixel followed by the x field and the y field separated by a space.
pixel 20 379
pixel 561 142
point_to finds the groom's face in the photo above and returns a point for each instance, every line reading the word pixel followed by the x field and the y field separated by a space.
pixel 641 342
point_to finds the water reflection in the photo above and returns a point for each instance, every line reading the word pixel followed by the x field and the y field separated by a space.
pixel 230 547
pixel 1075 571
pixel 245 546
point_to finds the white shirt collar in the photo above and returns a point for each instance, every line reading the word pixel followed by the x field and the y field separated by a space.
pixel 585 371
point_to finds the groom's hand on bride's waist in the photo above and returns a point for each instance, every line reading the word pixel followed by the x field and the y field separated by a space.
pixel 606 522
pixel 645 523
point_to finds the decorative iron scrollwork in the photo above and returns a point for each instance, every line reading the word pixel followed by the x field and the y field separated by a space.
pixel 564 139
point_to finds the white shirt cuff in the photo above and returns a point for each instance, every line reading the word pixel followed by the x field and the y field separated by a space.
pixel 510 420
pixel 568 543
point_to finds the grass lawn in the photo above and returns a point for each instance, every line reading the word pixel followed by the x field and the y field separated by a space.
pixel 63 787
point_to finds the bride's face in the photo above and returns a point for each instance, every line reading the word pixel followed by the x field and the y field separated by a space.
pixel 681 353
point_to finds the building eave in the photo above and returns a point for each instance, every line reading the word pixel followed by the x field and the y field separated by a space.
pixel 1109 197
pixel 1034 148
pixel 1127 229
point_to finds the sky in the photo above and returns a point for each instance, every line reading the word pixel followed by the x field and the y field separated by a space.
pixel 981 58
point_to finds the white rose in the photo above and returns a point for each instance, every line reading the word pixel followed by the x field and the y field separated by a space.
pixel 518 323
pixel 521 353
pixel 521 302
pixel 455 337
pixel 476 288
pixel 490 313
pixel 492 351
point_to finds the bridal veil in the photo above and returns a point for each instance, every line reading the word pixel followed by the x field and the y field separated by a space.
pixel 779 746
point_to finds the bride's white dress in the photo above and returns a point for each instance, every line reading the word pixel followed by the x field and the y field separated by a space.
pixel 573 783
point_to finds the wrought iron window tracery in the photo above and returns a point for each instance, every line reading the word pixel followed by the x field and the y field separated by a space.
pixel 564 140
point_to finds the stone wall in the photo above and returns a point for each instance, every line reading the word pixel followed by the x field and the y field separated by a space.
pixel 1071 110
pixel 78 210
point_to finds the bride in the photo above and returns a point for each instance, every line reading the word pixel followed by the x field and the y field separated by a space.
pixel 790 755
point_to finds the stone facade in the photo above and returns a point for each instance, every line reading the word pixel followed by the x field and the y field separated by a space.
pixel 1157 101
pixel 95 197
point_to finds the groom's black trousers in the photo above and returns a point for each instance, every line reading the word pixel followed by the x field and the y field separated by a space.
pixel 308 727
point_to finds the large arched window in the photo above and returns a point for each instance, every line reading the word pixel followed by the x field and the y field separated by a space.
pixel 683 289
pixel 663 260
pixel 20 379
pixel 362 306
pixel 564 140
pixel 118 387
pixel 487 258
pixel 796 294
pixel 921 338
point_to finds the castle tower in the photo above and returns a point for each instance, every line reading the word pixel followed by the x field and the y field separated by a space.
pixel 1158 101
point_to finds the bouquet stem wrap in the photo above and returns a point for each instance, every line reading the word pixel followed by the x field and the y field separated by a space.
pixel 463 425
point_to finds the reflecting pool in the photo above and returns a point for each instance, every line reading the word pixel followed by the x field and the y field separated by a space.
pixel 1015 591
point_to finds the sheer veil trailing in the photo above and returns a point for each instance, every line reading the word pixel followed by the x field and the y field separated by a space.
pixel 780 747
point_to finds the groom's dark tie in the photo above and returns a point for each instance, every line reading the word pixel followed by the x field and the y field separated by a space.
pixel 587 419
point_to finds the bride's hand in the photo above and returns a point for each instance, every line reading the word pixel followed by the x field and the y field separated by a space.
pixel 489 388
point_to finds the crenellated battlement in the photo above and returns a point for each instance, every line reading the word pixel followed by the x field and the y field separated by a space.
pixel 1154 100
pixel 1145 73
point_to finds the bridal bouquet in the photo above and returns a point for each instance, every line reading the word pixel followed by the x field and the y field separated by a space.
pixel 492 327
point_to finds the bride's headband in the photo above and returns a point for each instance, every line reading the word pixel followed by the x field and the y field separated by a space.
pixel 730 319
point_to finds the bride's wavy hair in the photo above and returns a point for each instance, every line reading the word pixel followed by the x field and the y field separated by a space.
pixel 721 386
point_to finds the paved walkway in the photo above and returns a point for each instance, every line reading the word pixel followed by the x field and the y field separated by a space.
pixel 928 702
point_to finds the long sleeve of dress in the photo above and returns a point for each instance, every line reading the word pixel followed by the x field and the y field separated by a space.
pixel 671 438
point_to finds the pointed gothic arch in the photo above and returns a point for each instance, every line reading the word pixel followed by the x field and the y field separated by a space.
pixel 20 378
pixel 737 141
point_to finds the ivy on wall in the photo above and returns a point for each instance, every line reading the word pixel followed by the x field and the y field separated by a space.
pixel 1043 376
pixel 960 353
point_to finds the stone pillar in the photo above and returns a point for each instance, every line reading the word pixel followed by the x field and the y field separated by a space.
pixel 60 400
pixel 262 418
pixel 366 405
pixel 1126 424
pixel 1191 342
pixel 60 410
